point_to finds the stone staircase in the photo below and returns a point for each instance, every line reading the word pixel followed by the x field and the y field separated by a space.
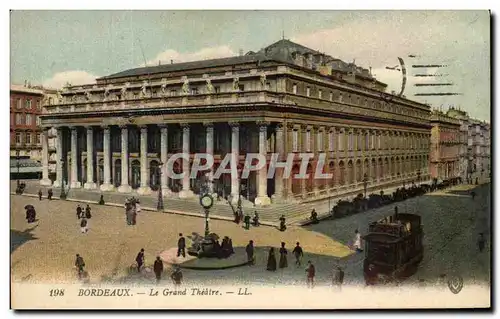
pixel 294 213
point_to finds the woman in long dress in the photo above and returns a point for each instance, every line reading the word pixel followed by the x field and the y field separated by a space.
pixel 283 256
pixel 271 260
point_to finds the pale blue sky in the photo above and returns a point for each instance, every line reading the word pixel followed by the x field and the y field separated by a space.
pixel 51 47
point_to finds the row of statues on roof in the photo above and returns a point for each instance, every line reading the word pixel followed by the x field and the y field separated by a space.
pixel 144 92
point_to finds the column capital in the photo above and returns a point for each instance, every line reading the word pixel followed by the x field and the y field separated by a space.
pixel 73 128
pixel 279 127
pixel 208 124
pixel 185 127
pixel 263 123
pixel 163 126
pixel 291 126
pixel 123 126
pixel 143 127
pixel 90 129
pixel 234 124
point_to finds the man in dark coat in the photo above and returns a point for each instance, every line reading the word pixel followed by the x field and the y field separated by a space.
pixel 310 272
pixel 79 212
pixel 181 246
pixel 338 279
pixel 256 221
pixel 158 268
pixel 49 194
pixel 87 212
pixel 298 253
pixel 101 200
pixel 314 217
pixel 40 194
pixel 140 260
pixel 250 250
pixel 83 225
pixel 282 223
pixel 247 221
pixel 79 264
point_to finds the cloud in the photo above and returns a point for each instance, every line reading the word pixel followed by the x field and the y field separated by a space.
pixel 75 77
pixel 203 54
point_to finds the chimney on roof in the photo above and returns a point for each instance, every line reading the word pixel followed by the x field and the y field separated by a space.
pixel 171 61
pixel 241 52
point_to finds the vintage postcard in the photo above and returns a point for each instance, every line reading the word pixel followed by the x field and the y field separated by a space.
pixel 250 159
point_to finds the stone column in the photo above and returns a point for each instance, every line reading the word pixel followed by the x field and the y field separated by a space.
pixel 124 187
pixel 59 154
pixel 303 148
pixel 45 181
pixel 75 183
pixel 164 158
pixel 235 151
pixel 90 184
pixel 279 194
pixel 107 186
pixel 186 190
pixel 262 199
pixel 210 151
pixel 144 189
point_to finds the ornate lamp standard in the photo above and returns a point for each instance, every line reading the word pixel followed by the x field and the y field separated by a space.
pixel 365 182
pixel 159 205
pixel 18 185
pixel 63 193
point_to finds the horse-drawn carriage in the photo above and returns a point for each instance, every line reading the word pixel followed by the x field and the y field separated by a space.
pixel 393 248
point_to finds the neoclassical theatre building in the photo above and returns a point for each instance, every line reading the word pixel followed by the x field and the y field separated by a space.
pixel 285 98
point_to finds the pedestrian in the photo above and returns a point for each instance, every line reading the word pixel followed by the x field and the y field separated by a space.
pixel 158 268
pixel 357 241
pixel 40 194
pixel 298 253
pixel 249 250
pixel 395 211
pixel 140 260
pixel 177 276
pixel 256 221
pixel 481 242
pixel 282 223
pixel 338 278
pixel 310 272
pixel 79 264
pixel 314 217
pixel 79 212
pixel 271 260
pixel 247 222
pixel 283 256
pixel 181 246
pixel 83 225
pixel 136 210
pixel 87 212
pixel 473 194
pixel 49 194
pixel 101 200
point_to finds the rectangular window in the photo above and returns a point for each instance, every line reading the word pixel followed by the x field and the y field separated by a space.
pixel 18 119
pixel 308 141
pixel 28 119
pixel 38 121
pixel 295 140
pixel 331 96
pixel 19 104
pixel 194 91
pixel 217 89
pixel 38 104
pixel 308 91
pixel 320 94
pixel 268 85
pixel 173 92
pixel 241 87
pixel 28 138
pixel 39 139
pixel 294 88
pixel 18 138
pixel 28 104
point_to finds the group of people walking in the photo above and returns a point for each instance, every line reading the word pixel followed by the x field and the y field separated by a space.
pixel 132 207
pixel 49 194
pixel 158 268
pixel 83 216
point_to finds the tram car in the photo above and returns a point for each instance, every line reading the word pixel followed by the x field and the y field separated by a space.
pixel 393 248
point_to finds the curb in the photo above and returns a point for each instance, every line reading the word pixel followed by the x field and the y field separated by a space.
pixel 176 212
pixel 212 268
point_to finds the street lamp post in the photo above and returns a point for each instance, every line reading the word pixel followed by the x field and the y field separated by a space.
pixel 63 193
pixel 18 183
pixel 206 201
pixel 159 205
pixel 365 182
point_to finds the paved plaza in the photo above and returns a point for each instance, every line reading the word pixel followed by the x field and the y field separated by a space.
pixel 45 251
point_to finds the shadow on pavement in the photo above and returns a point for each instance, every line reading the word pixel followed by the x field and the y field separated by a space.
pixel 18 238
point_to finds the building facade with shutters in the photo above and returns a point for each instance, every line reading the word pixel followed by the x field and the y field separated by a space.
pixel 284 99
pixel 445 146
pixel 25 131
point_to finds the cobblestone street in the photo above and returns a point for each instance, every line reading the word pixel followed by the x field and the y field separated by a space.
pixel 452 221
